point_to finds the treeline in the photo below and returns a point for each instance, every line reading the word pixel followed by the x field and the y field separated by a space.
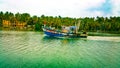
pixel 103 24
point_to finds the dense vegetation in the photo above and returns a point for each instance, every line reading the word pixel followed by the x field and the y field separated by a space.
pixel 103 24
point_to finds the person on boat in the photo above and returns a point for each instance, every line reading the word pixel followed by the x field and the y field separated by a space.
pixel 52 26
pixel 44 24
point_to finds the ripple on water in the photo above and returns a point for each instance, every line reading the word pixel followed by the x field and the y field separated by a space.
pixel 33 50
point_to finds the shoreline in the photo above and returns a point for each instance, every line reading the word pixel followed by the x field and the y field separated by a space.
pixel 89 33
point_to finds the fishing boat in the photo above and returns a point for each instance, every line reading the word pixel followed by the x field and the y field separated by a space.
pixel 65 32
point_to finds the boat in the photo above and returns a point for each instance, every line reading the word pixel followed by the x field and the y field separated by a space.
pixel 65 32
pixel 55 33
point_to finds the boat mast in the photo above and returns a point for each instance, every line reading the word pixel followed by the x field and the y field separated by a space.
pixel 77 26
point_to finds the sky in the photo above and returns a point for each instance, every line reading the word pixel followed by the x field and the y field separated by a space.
pixel 64 8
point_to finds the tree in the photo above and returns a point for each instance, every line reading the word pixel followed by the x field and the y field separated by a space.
pixel 87 23
pixel 1 18
pixel 18 16
pixel 25 17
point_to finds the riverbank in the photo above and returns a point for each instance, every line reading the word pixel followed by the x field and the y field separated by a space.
pixel 16 29
pixel 102 34
pixel 89 33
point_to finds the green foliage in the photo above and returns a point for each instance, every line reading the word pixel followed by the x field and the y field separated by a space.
pixel 87 23
pixel 0 22
pixel 38 26
pixel 1 18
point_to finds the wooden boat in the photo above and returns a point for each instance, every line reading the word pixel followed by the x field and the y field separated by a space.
pixel 66 31
pixel 56 33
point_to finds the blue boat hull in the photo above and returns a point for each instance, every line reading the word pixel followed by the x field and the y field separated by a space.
pixel 50 34
pixel 53 34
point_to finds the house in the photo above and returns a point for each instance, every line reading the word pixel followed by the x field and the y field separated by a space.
pixel 16 24
pixel 6 23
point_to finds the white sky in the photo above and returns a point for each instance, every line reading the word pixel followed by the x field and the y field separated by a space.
pixel 64 8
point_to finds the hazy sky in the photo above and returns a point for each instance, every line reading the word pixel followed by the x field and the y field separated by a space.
pixel 64 8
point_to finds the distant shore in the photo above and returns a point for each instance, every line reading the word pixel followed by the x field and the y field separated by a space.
pixel 103 34
pixel 100 33
pixel 24 21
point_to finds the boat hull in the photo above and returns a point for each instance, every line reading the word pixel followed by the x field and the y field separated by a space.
pixel 53 34
pixel 59 35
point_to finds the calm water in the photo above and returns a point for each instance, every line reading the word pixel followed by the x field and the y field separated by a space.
pixel 34 50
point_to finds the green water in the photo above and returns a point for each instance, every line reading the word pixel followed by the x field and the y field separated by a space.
pixel 33 50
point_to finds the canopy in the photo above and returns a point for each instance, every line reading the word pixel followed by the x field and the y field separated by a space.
pixel 73 27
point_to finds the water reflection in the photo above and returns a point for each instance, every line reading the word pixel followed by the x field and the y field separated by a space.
pixel 63 41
